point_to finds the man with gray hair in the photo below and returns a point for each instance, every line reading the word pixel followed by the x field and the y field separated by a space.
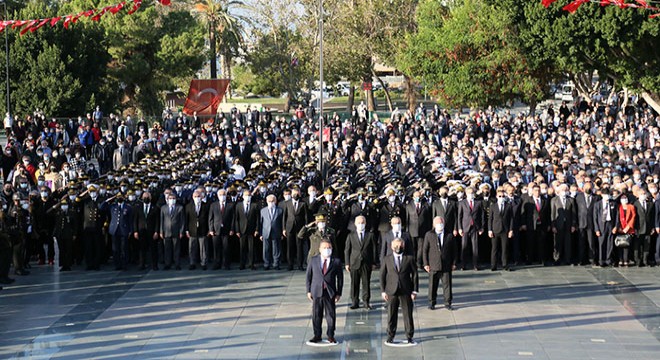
pixel 360 255
pixel 564 222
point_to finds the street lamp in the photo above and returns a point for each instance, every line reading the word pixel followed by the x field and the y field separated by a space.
pixel 321 88
pixel 4 4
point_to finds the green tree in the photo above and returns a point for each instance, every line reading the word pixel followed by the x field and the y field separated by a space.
pixel 471 56
pixel 153 50
pixel 621 44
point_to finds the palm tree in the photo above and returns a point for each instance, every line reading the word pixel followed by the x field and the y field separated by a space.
pixel 225 30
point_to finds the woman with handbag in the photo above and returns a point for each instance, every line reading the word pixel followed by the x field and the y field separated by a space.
pixel 624 229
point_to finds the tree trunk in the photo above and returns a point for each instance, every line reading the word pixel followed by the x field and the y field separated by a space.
pixel 653 99
pixel 214 55
pixel 387 92
pixel 532 107
pixel 351 99
pixel 410 93
pixel 287 103
pixel 371 100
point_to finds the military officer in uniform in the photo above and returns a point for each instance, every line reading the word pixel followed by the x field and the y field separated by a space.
pixel 92 221
pixel 65 231
pixel 121 227
pixel 316 232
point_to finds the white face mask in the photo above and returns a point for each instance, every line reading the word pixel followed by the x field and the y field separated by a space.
pixel 287 197
pixel 439 228
pixel 271 205
pixel 171 202
pixel 222 198
pixel 321 226
pixel 328 198
pixel 312 194
pixel 25 206
pixel 396 228
pixel 131 198
pixel 93 194
pixel 360 227
pixel 326 253
pixel 44 194
pixel 65 207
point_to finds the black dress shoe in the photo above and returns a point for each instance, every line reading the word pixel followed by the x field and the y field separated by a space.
pixel 354 306
pixel 277 268
pixel 475 268
pixel 155 268
pixel 226 267
pixel 192 267
pixel 167 267
pixel 65 268
pixel 390 340
pixel 507 269
pixel 493 269
pixel 449 307
pixel 216 267
pixel 142 267
pixel 266 268
pixel 178 267
pixel 332 340
pixel 21 272
pixel 315 339
pixel 431 307
pixel 289 268
pixel 204 267
pixel 253 267
pixel 7 280
pixel 241 267
pixel 411 341
pixel 301 268
pixel 368 306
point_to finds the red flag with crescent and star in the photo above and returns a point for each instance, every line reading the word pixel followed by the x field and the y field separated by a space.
pixel 205 96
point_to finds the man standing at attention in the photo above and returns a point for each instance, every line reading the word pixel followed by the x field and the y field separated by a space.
pixel 325 281
pixel 399 285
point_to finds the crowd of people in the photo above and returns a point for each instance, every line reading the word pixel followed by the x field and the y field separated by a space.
pixel 576 185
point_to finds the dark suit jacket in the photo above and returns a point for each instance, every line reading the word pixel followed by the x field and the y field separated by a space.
pixel 197 225
pixel 645 220
pixel 172 225
pixel 438 258
pixel 386 244
pixel 355 209
pixel 221 222
pixel 294 219
pixel 449 214
pixel 333 278
pixel 500 222
pixel 584 212
pixel 470 218
pixel 418 223
pixel 246 223
pixel 404 281
pixel 358 254
pixel 533 218
pixel 271 228
pixel 121 220
pixel 146 224
pixel 563 218
pixel 387 212
pixel 599 217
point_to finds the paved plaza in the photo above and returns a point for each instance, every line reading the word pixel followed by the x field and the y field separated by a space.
pixel 531 313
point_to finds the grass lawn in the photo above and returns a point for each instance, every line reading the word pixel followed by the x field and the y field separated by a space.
pixel 265 101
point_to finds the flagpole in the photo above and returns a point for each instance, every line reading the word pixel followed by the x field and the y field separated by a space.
pixel 321 88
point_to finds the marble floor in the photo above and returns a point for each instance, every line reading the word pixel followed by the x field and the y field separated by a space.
pixel 531 313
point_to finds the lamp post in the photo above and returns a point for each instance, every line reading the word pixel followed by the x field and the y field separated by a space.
pixel 321 88
pixel 4 4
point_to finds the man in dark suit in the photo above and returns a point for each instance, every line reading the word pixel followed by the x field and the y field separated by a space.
pixel 294 217
pixel 360 255
pixel 245 225
pixel 270 228
pixel 399 285
pixel 197 228
pixel 93 216
pixel 418 223
pixel 221 227
pixel 536 225
pixel 438 252
pixel 146 226
pixel 396 233
pixel 500 229
pixel 387 210
pixel 324 282
pixel 605 213
pixel 564 223
pixel 587 247
pixel 644 228
pixel 470 225
pixel 121 227
pixel 172 223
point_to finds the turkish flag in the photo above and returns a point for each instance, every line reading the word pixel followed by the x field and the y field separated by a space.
pixel 205 96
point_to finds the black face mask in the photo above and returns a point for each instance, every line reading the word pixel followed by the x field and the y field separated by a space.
pixel 146 201
pixel 398 251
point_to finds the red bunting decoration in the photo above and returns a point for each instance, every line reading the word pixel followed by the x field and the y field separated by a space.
pixel 33 25
pixel 573 6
